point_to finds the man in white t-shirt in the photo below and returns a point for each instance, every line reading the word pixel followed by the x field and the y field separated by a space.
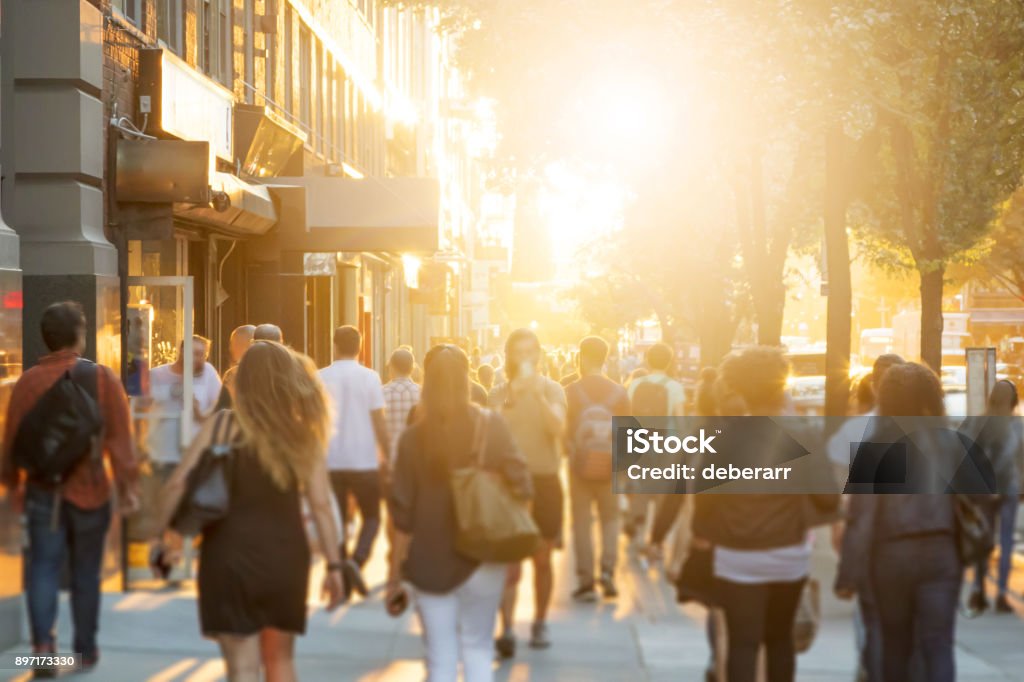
pixel 167 388
pixel 358 448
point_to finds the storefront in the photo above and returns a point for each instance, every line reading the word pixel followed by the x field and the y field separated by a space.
pixel 183 220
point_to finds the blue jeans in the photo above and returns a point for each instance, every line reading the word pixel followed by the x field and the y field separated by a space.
pixel 916 585
pixel 78 535
pixel 1005 512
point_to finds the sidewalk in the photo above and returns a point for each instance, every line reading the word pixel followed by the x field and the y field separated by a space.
pixel 153 637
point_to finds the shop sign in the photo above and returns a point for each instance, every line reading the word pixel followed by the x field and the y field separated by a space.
pixel 193 107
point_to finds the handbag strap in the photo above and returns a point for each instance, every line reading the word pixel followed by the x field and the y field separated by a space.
pixel 220 441
pixel 480 436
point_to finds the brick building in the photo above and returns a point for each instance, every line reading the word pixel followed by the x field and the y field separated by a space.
pixel 185 166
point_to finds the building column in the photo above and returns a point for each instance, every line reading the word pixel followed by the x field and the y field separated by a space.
pixel 52 156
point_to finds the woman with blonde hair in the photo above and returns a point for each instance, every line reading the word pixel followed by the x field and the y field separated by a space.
pixel 254 563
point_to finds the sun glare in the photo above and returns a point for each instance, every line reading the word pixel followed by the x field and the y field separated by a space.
pixel 577 210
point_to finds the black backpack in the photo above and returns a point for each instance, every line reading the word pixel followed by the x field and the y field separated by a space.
pixel 62 428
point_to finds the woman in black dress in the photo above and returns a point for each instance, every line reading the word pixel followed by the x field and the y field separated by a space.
pixel 254 564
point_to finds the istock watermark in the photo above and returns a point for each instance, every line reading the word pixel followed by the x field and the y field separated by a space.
pixel 789 455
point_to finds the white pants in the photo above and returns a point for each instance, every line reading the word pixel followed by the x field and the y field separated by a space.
pixel 460 625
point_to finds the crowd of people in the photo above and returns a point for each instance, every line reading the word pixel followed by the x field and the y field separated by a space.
pixel 332 442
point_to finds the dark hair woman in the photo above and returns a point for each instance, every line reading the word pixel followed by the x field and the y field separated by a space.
pixel 999 436
pixel 901 547
pixel 456 597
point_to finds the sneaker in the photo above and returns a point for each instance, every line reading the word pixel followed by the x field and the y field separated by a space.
pixel 1003 605
pixel 977 602
pixel 608 587
pixel 353 578
pixel 585 594
pixel 505 646
pixel 539 636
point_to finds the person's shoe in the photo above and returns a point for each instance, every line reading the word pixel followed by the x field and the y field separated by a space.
pixel 539 638
pixel 977 602
pixel 353 578
pixel 88 663
pixel 48 672
pixel 608 587
pixel 505 646
pixel 585 594
pixel 1003 605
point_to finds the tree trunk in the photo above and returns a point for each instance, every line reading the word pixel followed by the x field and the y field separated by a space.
pixel 931 317
pixel 716 324
pixel 768 290
pixel 837 259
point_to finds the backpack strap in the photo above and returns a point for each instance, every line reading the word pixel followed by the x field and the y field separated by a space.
pixel 86 374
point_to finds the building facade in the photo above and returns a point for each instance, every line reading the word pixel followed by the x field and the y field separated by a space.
pixel 186 166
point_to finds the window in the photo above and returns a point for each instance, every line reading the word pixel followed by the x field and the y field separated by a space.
pixel 214 30
pixel 340 99
pixel 289 87
pixel 168 23
pixel 248 38
pixel 320 100
pixel 270 61
pixel 131 9
pixel 328 108
pixel 305 78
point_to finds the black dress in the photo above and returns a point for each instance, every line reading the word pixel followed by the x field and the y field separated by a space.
pixel 254 564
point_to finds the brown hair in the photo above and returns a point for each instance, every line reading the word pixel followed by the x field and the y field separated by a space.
pixel 758 374
pixel 282 411
pixel 910 390
pixel 444 410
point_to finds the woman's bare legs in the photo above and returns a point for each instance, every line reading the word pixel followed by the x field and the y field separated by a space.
pixel 242 656
pixel 277 650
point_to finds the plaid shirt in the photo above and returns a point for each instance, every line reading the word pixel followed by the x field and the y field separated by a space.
pixel 400 396
pixel 88 485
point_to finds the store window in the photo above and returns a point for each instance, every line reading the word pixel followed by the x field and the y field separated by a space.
pixel 10 370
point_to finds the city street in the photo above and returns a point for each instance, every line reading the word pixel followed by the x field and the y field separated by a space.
pixel 152 636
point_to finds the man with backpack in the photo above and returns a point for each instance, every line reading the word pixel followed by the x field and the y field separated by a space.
pixel 655 394
pixel 593 399
pixel 64 415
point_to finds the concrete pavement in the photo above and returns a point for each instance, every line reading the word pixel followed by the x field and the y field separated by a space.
pixel 152 636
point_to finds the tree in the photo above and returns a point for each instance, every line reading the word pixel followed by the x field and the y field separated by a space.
pixel 944 80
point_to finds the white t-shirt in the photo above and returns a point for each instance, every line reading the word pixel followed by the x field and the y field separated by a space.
pixel 355 391
pixel 167 388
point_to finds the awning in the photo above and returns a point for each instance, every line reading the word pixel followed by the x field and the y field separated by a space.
pixel 329 214
pixel 250 210
pixel 1013 316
